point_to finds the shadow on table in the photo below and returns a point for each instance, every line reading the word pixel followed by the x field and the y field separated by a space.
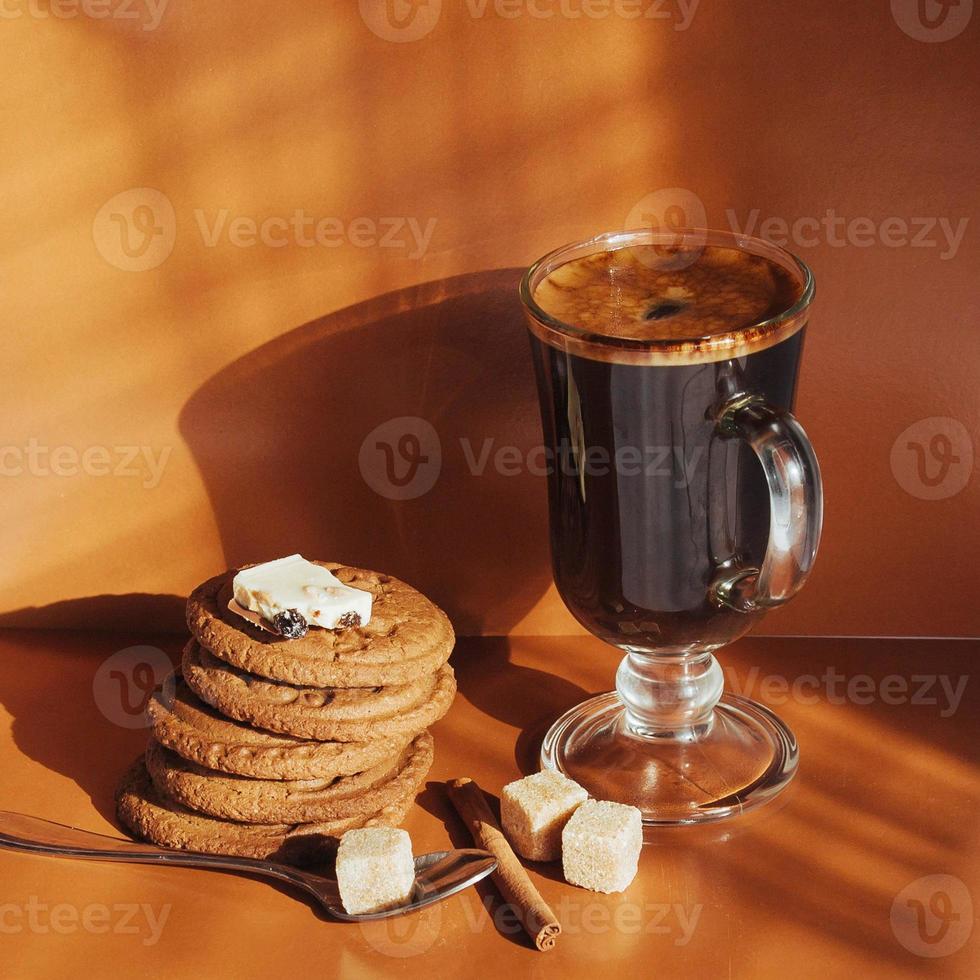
pixel 66 713
pixel 522 697
pixel 886 794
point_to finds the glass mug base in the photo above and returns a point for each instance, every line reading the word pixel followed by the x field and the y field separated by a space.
pixel 742 757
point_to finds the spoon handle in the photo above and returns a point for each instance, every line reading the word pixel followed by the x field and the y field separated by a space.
pixel 20 832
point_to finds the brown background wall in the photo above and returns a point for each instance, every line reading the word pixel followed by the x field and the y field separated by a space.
pixel 249 368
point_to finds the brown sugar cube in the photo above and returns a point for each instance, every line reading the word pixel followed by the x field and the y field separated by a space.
pixel 533 811
pixel 600 846
pixel 375 869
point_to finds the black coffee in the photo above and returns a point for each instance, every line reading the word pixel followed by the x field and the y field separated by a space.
pixel 647 499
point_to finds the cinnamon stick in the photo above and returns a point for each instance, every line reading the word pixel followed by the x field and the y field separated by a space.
pixel 510 877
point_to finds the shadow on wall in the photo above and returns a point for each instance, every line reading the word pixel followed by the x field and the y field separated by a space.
pixel 135 611
pixel 371 435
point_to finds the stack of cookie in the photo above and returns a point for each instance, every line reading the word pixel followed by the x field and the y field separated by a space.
pixel 271 747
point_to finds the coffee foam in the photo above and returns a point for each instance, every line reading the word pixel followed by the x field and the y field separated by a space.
pixel 670 304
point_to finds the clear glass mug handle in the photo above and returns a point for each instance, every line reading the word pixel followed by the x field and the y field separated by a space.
pixel 796 505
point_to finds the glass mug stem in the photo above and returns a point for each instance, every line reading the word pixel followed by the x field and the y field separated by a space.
pixel 669 697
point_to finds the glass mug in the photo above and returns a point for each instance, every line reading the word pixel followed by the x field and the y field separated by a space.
pixel 684 501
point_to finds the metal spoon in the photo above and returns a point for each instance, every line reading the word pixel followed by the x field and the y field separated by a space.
pixel 437 875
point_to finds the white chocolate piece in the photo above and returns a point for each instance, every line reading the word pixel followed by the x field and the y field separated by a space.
pixel 535 809
pixel 375 869
pixel 295 583
pixel 601 844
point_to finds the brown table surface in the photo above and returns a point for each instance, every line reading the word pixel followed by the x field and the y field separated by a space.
pixel 817 884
